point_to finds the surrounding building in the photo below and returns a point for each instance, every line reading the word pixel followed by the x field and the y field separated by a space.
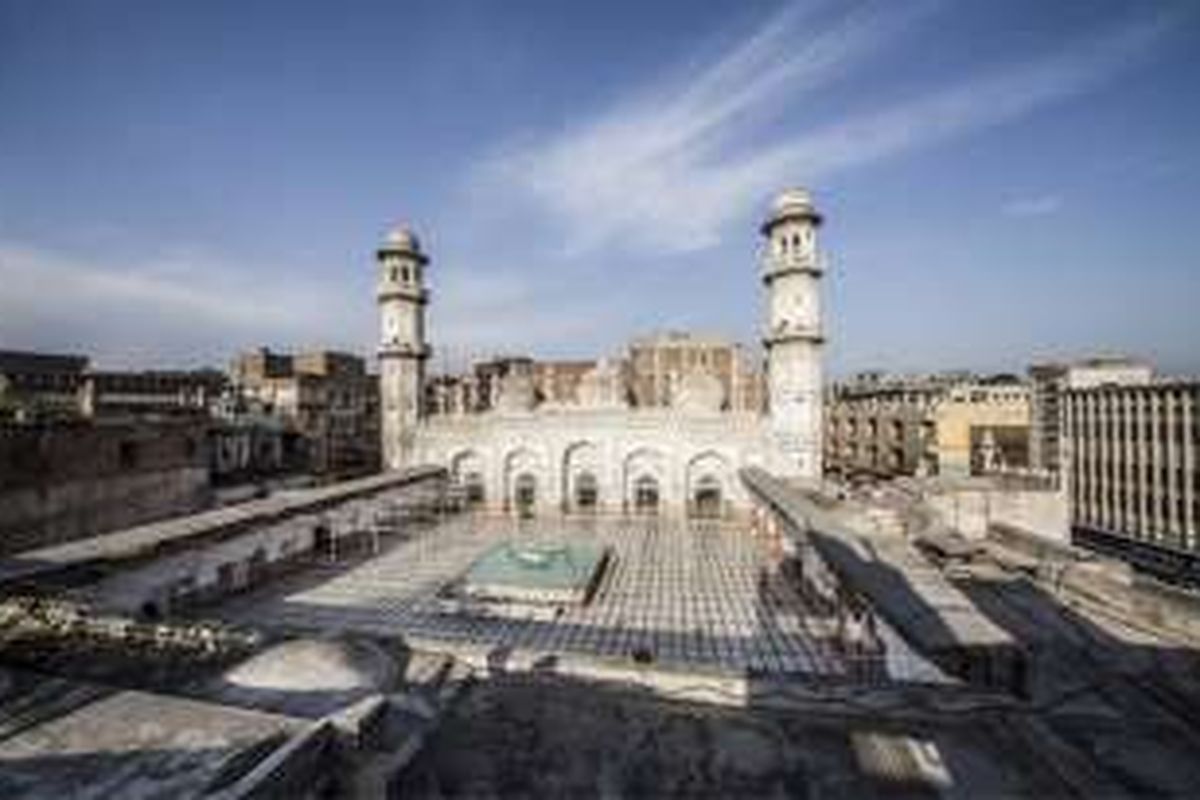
pixel 982 428
pixel 150 394
pixel 1048 382
pixel 40 385
pixel 1132 466
pixel 326 400
pixel 658 365
pixel 881 425
pixel 45 385
pixel 952 424
pixel 248 444
pixel 667 427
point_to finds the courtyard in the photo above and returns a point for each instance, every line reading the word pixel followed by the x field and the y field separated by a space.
pixel 693 594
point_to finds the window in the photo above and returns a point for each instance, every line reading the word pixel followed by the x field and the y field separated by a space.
pixel 127 455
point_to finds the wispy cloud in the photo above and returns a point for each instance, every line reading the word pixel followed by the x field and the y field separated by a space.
pixel 667 169
pixel 1036 206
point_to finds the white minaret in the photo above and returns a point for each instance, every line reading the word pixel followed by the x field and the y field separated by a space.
pixel 794 339
pixel 402 349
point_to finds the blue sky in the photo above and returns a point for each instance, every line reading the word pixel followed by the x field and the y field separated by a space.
pixel 1003 182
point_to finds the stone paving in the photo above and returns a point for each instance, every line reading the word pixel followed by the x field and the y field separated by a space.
pixel 698 593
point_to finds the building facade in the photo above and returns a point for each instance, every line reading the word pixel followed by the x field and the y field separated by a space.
pixel 881 425
pixel 952 424
pixel 665 428
pixel 1049 382
pixel 40 385
pixel 162 394
pixel 1131 463
pixel 326 401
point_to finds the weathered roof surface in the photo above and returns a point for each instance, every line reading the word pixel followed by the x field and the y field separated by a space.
pixel 143 539
pixel 904 589
pixel 71 739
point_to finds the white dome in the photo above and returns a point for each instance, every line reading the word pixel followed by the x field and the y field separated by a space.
pixel 794 199
pixel 794 203
pixel 316 665
pixel 403 238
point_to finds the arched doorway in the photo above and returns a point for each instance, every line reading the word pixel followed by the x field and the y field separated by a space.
pixel 525 494
pixel 473 490
pixel 645 495
pixel 467 470
pixel 587 493
pixel 706 499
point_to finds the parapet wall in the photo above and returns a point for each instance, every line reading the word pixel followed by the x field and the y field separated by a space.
pixel 1100 581
pixel 934 617
pixel 178 533
pixel 65 482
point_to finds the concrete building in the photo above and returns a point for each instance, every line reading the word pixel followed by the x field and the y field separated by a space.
pixel 325 398
pixel 667 427
pixel 1048 382
pixel 882 425
pixel 1132 467
pixel 982 428
pixel 952 424
pixel 153 393
pixel 39 385
pixel 659 363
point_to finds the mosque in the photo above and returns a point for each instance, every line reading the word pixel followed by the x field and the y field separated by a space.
pixel 663 429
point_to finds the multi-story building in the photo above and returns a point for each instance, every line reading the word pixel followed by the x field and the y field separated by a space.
pixel 326 398
pixel 1131 463
pixel 154 393
pixel 659 363
pixel 982 427
pixel 950 424
pixel 881 425
pixel 40 385
pixel 1049 381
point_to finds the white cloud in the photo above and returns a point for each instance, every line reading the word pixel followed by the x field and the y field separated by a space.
pixel 1037 206
pixel 181 307
pixel 666 170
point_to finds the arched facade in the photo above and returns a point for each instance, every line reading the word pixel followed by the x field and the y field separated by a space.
pixel 639 468
pixel 598 472
pixel 526 481
pixel 582 477
pixel 709 484
pixel 469 471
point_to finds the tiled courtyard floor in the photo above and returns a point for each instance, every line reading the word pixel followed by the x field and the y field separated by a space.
pixel 687 593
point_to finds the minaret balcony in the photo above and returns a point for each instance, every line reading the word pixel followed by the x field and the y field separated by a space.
pixel 392 291
pixel 403 350
pixel 793 264
pixel 784 334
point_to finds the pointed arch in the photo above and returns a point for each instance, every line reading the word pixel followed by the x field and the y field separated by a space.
pixel 709 484
pixel 644 473
pixel 582 466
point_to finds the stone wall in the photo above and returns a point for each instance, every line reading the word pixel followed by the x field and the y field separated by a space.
pixel 65 482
